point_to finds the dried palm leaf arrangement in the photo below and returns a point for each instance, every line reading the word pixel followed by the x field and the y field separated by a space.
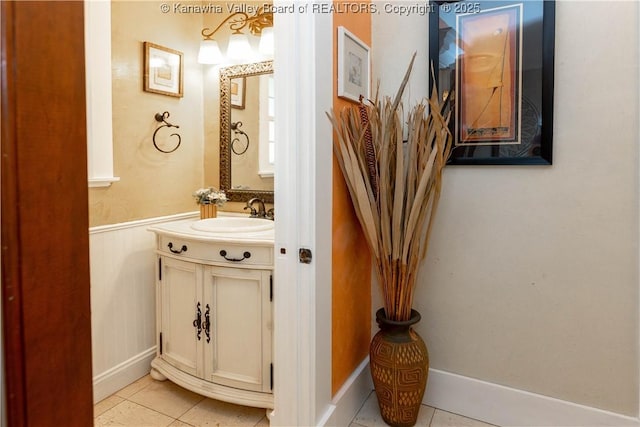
pixel 394 183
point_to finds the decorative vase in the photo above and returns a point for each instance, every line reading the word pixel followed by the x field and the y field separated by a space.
pixel 399 366
pixel 209 210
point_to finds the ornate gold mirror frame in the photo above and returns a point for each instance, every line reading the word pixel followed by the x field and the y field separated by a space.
pixel 226 75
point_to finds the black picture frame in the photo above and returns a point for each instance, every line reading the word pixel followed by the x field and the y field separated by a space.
pixel 501 51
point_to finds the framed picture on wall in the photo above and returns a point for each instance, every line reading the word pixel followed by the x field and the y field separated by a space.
pixel 163 70
pixel 354 73
pixel 237 93
pixel 493 62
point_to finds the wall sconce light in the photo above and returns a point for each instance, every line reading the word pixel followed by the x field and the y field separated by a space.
pixel 260 24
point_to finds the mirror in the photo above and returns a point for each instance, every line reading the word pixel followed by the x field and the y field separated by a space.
pixel 246 131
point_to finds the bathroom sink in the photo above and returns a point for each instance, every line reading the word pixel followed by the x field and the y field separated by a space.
pixel 233 225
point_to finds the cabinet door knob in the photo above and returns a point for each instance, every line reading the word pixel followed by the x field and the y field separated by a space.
pixel 246 255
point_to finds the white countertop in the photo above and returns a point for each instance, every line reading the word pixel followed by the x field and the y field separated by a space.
pixel 182 229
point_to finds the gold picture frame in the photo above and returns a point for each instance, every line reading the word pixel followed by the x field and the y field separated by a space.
pixel 163 70
pixel 237 93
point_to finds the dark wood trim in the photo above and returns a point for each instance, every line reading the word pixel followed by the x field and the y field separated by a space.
pixel 11 296
pixel 44 232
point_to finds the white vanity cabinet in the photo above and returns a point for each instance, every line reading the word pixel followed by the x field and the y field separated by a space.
pixel 214 316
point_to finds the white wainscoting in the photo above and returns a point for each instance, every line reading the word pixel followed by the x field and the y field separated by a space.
pixel 123 263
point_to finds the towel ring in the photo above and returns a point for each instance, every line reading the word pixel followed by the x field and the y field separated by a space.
pixel 162 118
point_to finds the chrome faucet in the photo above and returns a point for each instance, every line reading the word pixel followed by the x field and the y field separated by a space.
pixel 260 213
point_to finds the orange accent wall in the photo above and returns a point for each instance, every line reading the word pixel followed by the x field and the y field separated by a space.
pixel 351 277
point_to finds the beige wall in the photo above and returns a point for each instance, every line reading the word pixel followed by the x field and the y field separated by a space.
pixel 211 97
pixel 151 183
pixel 532 277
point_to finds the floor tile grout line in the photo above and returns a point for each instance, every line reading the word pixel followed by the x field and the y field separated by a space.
pixel 107 410
pixel 151 409
pixel 138 404
pixel 260 420
pixel 433 414
pixel 162 413
pixel 184 422
pixel 469 418
pixel 203 398
pixel 362 406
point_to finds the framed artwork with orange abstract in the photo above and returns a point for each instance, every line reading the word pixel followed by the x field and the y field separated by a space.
pixel 493 65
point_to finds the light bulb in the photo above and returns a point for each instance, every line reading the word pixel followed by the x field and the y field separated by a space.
pixel 239 48
pixel 266 42
pixel 209 52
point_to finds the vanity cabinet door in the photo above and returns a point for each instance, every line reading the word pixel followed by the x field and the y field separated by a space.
pixel 179 301
pixel 239 352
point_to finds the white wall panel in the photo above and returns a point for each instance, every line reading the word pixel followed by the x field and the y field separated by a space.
pixel 123 263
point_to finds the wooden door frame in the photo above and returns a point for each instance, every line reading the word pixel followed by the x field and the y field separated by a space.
pixel 44 231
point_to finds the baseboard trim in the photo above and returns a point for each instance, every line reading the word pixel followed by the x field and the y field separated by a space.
pixel 108 382
pixel 505 406
pixel 350 398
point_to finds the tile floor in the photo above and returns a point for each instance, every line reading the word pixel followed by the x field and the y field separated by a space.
pixel 150 403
